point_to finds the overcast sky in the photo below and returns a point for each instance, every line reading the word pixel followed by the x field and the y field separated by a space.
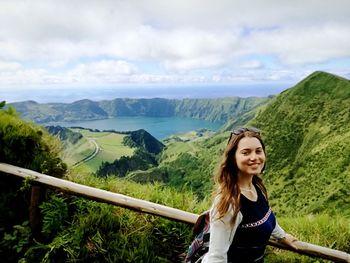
pixel 77 43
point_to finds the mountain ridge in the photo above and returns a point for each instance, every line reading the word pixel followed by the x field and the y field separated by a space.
pixel 215 110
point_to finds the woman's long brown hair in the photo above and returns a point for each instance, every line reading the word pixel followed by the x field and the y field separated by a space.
pixel 227 177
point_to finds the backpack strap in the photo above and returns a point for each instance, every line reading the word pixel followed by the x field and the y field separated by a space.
pixel 200 244
pixel 200 223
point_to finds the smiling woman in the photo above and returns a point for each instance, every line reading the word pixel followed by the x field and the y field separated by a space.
pixel 241 221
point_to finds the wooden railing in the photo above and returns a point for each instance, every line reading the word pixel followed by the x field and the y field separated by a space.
pixel 155 209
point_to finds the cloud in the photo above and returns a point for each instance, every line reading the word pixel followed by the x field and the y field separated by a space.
pixel 303 46
pixel 183 39
pixel 104 71
pixel 9 66
pixel 25 77
pixel 252 64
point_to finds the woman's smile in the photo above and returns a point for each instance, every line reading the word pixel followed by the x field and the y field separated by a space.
pixel 250 156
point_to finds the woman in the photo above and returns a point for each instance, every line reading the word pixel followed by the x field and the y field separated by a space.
pixel 241 221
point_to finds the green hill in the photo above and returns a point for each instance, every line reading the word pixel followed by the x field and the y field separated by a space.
pixel 306 129
pixel 73 229
pixel 144 140
pixel 307 133
pixel 64 134
pixel 107 152
pixel 217 110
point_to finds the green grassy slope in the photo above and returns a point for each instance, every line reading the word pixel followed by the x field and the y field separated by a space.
pixel 79 230
pixel 307 133
pixel 217 110
pixel 191 164
pixel 111 147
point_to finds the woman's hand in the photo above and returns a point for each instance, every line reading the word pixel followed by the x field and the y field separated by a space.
pixel 289 240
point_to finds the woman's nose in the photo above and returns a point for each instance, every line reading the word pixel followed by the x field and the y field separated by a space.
pixel 252 156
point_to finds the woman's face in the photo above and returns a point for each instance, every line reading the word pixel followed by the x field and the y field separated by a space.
pixel 250 156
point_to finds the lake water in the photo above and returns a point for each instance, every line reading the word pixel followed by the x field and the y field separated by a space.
pixel 160 128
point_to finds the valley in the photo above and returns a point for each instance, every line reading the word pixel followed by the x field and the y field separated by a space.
pixel 306 129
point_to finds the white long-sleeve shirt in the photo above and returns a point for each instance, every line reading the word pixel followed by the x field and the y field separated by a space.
pixel 222 232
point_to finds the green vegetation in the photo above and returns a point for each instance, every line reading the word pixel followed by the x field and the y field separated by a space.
pixel 28 145
pixel 143 140
pixel 328 231
pixel 109 146
pixel 74 153
pixel 141 160
pixel 190 165
pixel 75 229
pixel 216 110
pixel 307 133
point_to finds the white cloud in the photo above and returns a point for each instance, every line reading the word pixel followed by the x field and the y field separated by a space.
pixel 9 66
pixel 303 45
pixel 179 37
pixel 105 68
pixel 25 77
pixel 252 64
pixel 104 71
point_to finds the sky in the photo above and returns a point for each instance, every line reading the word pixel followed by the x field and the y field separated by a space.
pixel 62 46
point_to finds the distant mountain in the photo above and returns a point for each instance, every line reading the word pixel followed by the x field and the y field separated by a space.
pixel 215 110
pixel 55 112
pixel 156 107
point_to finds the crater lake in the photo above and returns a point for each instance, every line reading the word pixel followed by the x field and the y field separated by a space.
pixel 159 127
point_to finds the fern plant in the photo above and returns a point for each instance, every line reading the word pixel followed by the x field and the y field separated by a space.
pixel 55 212
pixel 19 239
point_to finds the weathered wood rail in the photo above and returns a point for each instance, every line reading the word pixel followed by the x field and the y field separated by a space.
pixel 155 209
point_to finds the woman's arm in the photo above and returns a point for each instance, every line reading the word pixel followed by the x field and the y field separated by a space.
pixel 278 232
pixel 283 237
pixel 221 235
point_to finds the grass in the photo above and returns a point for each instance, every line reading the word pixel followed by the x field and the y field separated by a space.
pixel 73 153
pixel 157 192
pixel 174 149
pixel 322 229
pixel 111 148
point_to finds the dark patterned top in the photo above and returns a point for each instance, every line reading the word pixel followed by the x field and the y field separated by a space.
pixel 253 232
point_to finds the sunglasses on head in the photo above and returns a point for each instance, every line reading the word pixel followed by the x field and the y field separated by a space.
pixel 242 130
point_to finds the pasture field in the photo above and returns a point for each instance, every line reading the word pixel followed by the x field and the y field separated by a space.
pixel 110 147
pixel 74 153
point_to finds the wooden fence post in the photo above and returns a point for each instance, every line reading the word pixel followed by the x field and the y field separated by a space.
pixel 34 211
